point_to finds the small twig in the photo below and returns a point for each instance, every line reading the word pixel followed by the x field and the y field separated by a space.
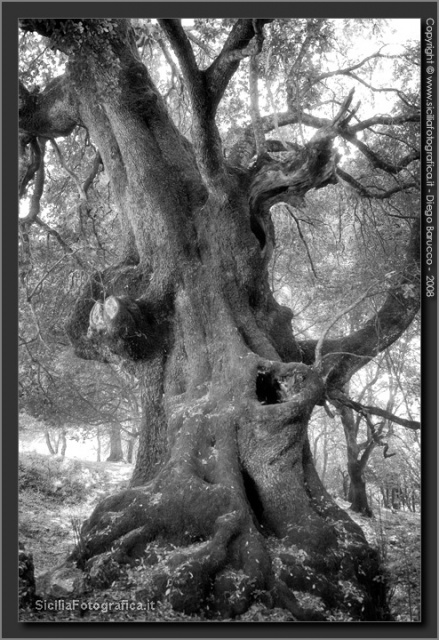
pixel 72 174
pixel 344 108
pixel 62 242
pixel 34 290
pixel 204 47
pixel 345 353
pixel 289 209
pixel 175 70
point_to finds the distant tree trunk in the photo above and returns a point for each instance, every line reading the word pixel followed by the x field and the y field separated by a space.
pixel 396 502
pixel 116 452
pixel 48 442
pixel 325 453
pixel 345 476
pixel 63 440
pixel 130 449
pixel 385 494
pixel 357 489
pixel 99 444
pixel 356 464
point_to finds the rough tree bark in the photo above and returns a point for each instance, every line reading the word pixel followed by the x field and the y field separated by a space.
pixel 224 469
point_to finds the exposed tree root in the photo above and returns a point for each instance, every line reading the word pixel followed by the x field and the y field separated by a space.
pixel 215 556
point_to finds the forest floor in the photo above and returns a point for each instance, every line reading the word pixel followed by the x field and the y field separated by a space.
pixel 48 524
pixel 56 495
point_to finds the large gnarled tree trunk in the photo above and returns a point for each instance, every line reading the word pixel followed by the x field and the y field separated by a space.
pixel 224 467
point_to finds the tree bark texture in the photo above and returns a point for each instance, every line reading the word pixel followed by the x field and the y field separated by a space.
pixel 224 469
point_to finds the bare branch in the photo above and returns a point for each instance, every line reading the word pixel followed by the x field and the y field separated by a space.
pixel 385 120
pixel 244 149
pixel 41 280
pixel 207 141
pixel 184 52
pixel 206 88
pixel 202 45
pixel 62 242
pixel 396 313
pixel 348 70
pixel 400 94
pixel 339 397
pixel 71 173
pixel 340 116
pixel 368 448
pixel 235 49
pixel 313 30
pixel 366 193
pixel 377 161
pixel 318 351
pixel 290 211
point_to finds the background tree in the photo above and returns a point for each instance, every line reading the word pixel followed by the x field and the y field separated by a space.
pixel 224 466
pixel 371 450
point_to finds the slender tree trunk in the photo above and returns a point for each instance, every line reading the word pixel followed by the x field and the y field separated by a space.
pixel 116 452
pixel 130 449
pixel 357 488
pixel 384 494
pixel 396 502
pixel 325 453
pixel 346 485
pixel 48 442
pixel 63 440
pixel 99 444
